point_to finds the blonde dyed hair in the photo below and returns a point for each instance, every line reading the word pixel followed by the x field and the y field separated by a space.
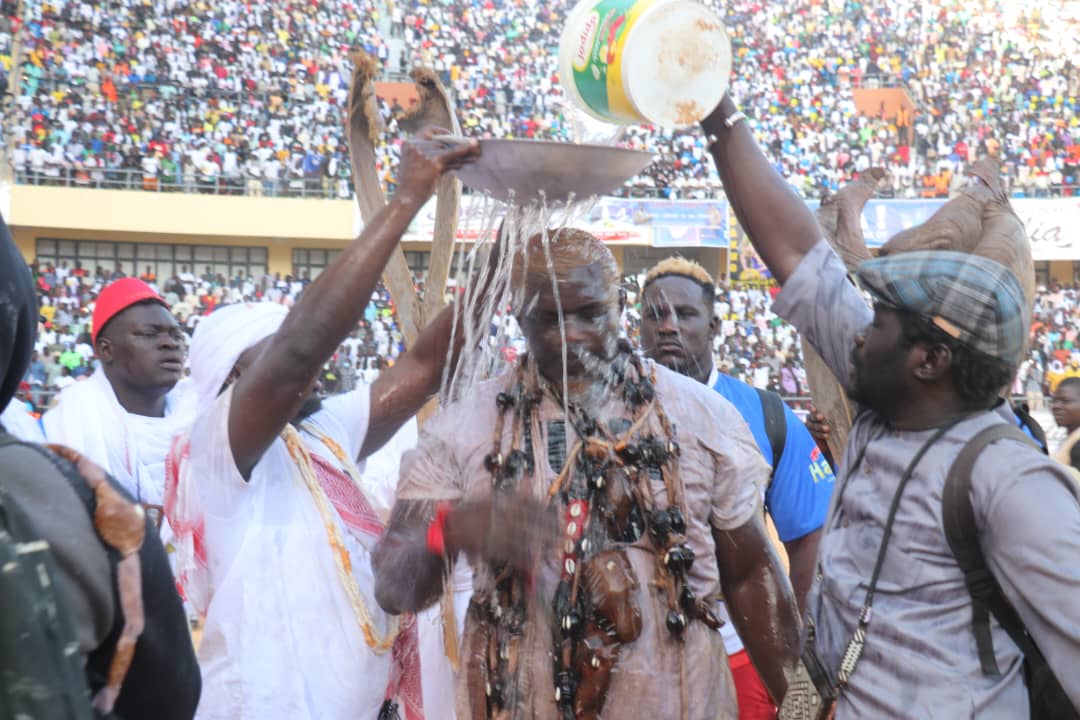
pixel 681 267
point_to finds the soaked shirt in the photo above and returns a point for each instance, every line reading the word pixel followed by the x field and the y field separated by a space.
pixel 920 659
pixel 722 473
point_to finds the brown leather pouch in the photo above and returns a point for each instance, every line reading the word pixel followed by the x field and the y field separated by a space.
pixel 594 658
pixel 620 503
pixel 610 582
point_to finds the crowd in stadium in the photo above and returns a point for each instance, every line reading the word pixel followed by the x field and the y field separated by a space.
pixel 247 97
pixel 752 343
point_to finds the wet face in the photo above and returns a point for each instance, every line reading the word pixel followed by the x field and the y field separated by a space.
pixel 590 311
pixel 1065 406
pixel 143 348
pixel 677 326
pixel 879 363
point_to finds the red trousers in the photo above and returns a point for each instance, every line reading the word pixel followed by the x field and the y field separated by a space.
pixel 754 700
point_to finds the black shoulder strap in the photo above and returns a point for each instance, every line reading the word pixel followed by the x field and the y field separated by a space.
pixel 958 517
pixel 1023 414
pixel 775 424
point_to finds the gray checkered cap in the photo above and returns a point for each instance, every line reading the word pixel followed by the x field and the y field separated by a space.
pixel 977 301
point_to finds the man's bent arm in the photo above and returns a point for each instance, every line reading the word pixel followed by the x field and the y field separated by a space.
pixel 271 391
pixel 802 556
pixel 499 530
pixel 777 221
pixel 760 602
pixel 399 392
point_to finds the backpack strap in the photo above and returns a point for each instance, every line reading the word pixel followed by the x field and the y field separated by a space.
pixel 958 517
pixel 1023 414
pixel 121 525
pixel 775 425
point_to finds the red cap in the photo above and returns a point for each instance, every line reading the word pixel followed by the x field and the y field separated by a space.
pixel 118 297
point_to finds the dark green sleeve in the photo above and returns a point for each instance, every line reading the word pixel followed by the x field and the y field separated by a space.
pixel 163 682
pixel 84 573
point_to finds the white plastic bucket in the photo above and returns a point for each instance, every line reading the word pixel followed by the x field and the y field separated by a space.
pixel 661 62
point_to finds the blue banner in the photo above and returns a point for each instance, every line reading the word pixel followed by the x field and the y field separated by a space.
pixel 674 223
pixel 884 218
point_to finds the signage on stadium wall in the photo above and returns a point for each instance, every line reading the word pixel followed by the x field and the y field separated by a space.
pixel 658 223
pixel 1053 225
pixel 671 223
pixel 884 218
pixel 477 214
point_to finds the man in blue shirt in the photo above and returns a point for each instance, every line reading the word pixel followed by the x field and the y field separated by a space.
pixel 677 330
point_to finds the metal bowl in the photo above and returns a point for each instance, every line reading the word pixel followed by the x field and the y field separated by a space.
pixel 523 171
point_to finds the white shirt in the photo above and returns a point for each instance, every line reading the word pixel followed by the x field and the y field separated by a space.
pixel 89 418
pixel 281 639
pixel 732 642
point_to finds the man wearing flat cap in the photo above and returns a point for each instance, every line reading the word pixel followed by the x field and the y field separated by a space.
pixel 889 616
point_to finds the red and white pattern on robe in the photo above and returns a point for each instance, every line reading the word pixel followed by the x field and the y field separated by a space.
pixel 363 522
pixel 189 530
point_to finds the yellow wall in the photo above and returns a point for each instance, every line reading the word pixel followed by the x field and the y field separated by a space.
pixel 278 224
pixel 279 250
pixel 1062 271
pixel 214 216
pixel 618 253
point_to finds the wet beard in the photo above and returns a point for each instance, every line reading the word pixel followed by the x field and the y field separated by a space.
pixel 311 406
pixel 690 367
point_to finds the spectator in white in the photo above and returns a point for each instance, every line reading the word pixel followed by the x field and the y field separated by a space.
pixel 188 279
pixel 18 421
pixel 151 166
pixel 64 380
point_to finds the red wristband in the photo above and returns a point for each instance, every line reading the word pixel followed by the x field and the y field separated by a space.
pixel 436 532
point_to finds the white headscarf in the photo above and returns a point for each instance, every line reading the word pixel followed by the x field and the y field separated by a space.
pixel 222 337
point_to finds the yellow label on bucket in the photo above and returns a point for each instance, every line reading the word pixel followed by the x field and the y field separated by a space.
pixel 598 56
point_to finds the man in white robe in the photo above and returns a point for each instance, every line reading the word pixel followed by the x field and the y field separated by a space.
pixel 274 525
pixel 123 416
